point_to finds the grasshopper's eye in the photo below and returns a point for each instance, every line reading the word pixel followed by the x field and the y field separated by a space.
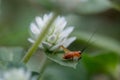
pixel 79 52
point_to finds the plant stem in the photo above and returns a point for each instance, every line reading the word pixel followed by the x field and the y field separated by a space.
pixel 32 50
pixel 43 67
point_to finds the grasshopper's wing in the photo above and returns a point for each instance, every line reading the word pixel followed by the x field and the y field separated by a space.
pixel 65 49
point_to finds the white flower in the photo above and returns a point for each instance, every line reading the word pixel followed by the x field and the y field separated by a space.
pixel 17 74
pixel 56 36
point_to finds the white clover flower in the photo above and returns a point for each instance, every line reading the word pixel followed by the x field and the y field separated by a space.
pixel 56 36
pixel 17 74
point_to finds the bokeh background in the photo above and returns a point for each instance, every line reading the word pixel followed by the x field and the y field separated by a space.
pixel 100 61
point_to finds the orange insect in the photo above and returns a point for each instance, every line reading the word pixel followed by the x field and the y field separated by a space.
pixel 71 55
pixel 75 55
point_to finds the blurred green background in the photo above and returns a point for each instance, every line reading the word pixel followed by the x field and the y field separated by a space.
pixel 100 61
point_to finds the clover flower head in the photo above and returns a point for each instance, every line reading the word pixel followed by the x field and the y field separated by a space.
pixel 57 35
pixel 17 74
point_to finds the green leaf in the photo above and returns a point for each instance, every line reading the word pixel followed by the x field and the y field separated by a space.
pixel 110 58
pixel 64 73
pixel 58 59
pixel 11 54
pixel 102 62
pixel 91 65
pixel 36 60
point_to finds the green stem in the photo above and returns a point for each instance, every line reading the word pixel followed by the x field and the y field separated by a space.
pixel 32 50
pixel 43 67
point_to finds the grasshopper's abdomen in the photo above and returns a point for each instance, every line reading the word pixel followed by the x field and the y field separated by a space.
pixel 74 55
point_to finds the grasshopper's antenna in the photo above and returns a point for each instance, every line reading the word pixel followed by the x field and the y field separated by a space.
pixel 88 44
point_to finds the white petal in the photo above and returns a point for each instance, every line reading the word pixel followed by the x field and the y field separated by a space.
pixel 56 46
pixel 34 28
pixel 34 36
pixel 60 21
pixel 46 17
pixel 16 74
pixel 69 41
pixel 60 24
pixel 31 40
pixel 39 22
pixel 46 44
pixel 66 32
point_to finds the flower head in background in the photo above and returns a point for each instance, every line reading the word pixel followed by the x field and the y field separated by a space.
pixel 57 35
pixel 17 74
